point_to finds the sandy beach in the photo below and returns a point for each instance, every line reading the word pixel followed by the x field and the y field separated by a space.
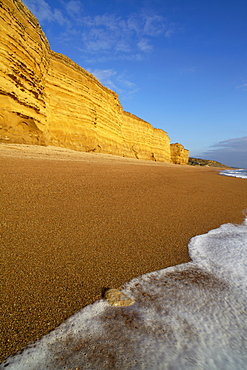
pixel 72 224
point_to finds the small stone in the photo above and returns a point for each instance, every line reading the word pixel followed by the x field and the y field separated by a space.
pixel 116 298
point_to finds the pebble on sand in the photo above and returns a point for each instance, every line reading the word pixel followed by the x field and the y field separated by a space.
pixel 116 298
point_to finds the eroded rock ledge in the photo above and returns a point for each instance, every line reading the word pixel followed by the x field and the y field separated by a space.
pixel 47 99
pixel 179 155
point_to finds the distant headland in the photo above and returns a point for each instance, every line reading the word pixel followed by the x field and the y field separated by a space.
pixel 205 162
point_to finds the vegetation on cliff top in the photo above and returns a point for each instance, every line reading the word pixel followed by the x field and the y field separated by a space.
pixel 205 162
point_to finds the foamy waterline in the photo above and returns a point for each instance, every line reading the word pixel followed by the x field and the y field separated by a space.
pixel 241 173
pixel 191 316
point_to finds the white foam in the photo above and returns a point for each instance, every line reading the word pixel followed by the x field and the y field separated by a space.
pixel 241 173
pixel 191 316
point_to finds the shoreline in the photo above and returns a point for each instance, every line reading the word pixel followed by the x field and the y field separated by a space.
pixel 73 226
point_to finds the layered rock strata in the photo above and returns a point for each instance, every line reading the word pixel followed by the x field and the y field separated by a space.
pixel 24 62
pixel 47 99
pixel 179 155
pixel 143 140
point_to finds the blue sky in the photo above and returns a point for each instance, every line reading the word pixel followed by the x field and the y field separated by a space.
pixel 181 65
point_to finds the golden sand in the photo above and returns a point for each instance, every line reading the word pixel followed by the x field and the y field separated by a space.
pixel 73 224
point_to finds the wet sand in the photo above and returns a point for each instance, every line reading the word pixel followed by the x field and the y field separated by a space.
pixel 72 224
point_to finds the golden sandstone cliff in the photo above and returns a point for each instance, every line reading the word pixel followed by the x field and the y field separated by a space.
pixel 179 155
pixel 47 99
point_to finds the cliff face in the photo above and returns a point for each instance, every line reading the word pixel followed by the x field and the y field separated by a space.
pixel 82 114
pixel 24 61
pixel 47 99
pixel 144 141
pixel 179 155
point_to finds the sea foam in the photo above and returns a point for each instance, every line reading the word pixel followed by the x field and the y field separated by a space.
pixel 241 173
pixel 191 316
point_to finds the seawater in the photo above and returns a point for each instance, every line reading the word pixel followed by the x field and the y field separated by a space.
pixel 191 316
pixel 241 172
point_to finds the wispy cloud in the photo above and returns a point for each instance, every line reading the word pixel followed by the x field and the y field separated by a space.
pixel 154 25
pixel 122 36
pixel 242 86
pixel 115 81
pixel 232 152
pixel 107 35
pixel 73 8
pixel 144 45
pixel 43 11
pixel 188 70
